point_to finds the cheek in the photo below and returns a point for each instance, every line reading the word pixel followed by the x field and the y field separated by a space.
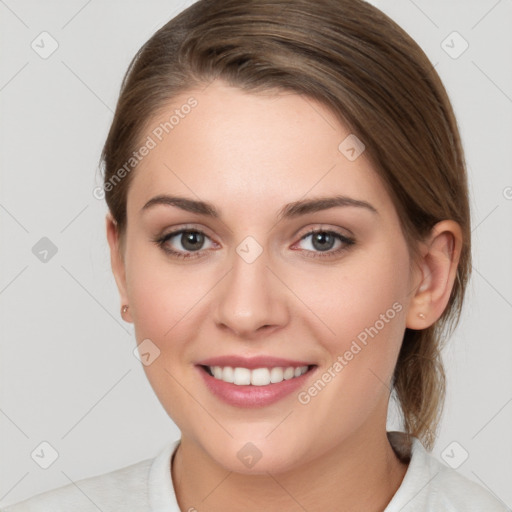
pixel 365 292
pixel 376 323
pixel 161 293
pixel 367 315
pixel 363 304
pixel 164 303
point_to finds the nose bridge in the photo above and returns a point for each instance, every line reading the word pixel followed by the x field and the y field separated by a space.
pixel 250 297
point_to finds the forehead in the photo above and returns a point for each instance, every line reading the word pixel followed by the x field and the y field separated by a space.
pixel 225 144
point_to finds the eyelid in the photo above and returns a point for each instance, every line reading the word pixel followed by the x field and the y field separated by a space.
pixel 344 232
pixel 174 230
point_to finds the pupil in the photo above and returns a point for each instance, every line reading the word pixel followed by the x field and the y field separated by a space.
pixel 191 240
pixel 323 238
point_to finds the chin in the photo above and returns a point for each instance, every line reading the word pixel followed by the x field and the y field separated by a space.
pixel 257 457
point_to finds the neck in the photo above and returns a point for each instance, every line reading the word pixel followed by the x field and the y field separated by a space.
pixel 362 473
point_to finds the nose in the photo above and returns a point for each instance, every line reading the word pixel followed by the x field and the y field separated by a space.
pixel 251 299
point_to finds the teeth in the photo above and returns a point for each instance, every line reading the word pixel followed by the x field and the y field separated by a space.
pixel 289 373
pixel 276 375
pixel 241 376
pixel 258 376
pixel 228 374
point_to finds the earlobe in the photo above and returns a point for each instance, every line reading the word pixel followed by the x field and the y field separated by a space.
pixel 117 263
pixel 438 270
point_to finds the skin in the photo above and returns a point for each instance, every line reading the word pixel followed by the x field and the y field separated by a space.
pixel 249 155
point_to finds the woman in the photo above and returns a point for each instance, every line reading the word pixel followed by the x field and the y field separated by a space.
pixel 290 235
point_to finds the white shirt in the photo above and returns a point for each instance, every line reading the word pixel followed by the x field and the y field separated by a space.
pixel 428 486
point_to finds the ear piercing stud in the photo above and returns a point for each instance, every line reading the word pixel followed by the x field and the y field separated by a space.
pixel 124 309
pixel 421 315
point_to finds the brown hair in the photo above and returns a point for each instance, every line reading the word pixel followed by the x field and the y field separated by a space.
pixel 352 58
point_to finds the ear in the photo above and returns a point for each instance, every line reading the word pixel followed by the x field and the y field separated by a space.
pixel 436 273
pixel 117 262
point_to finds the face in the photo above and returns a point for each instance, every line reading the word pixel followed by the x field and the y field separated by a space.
pixel 264 277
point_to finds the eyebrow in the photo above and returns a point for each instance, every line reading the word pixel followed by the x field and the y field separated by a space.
pixel 290 210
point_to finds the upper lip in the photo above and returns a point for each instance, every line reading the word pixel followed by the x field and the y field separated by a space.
pixel 252 362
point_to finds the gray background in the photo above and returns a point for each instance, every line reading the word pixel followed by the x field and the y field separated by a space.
pixel 68 374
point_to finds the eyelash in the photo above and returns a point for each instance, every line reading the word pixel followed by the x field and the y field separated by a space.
pixel 161 241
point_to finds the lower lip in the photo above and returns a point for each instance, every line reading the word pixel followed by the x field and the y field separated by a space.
pixel 253 396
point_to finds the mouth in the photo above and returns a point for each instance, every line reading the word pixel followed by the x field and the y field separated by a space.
pixel 264 376
pixel 253 382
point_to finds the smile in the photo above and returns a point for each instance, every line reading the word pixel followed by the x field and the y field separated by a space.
pixel 255 377
pixel 253 382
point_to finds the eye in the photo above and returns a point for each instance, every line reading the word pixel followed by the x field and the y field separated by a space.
pixel 190 243
pixel 321 243
pixel 184 243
